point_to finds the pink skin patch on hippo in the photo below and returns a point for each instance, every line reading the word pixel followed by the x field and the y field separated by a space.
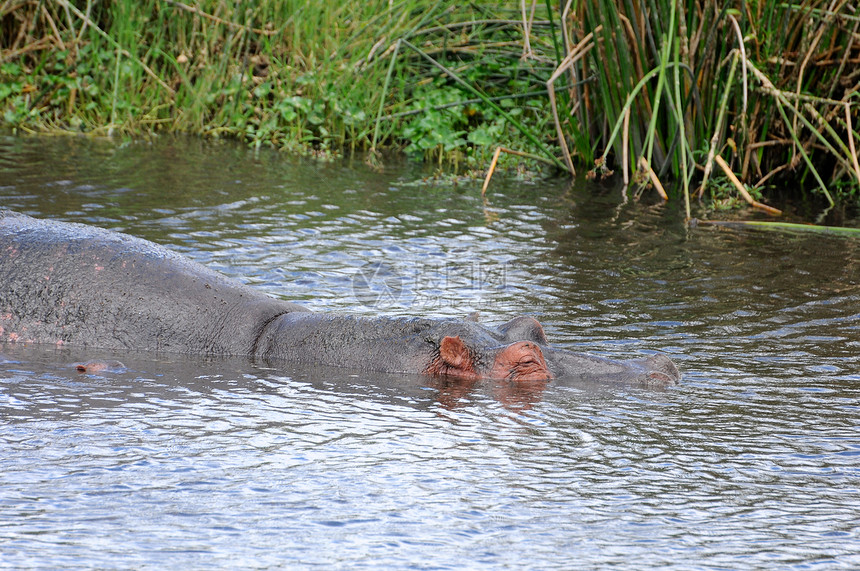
pixel 99 367
pixel 521 361
pixel 454 360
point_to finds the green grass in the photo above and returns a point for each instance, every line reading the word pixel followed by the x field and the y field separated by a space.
pixel 606 85
pixel 288 74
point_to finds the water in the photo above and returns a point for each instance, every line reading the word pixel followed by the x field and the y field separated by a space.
pixel 752 462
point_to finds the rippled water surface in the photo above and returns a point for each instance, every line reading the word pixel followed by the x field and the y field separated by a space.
pixel 753 461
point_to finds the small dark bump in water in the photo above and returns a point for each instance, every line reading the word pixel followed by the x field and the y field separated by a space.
pixel 106 366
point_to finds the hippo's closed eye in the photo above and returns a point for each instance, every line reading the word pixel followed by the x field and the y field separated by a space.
pixel 522 361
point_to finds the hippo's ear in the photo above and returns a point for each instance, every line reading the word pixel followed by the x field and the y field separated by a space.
pixel 454 359
pixel 524 328
pixel 455 353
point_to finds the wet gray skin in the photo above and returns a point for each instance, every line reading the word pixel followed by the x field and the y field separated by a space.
pixel 72 284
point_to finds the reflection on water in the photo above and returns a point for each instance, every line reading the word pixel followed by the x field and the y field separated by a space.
pixel 753 461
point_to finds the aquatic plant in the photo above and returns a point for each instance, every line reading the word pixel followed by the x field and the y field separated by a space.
pixel 657 90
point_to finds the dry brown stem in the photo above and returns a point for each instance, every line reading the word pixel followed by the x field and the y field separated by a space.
pixel 577 53
pixel 742 190
pixel 851 141
pixel 217 20
pixel 495 160
pixel 643 164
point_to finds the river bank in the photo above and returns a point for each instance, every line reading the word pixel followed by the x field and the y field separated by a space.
pixel 657 96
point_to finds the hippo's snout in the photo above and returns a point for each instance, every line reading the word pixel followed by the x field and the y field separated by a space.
pixel 654 370
pixel 659 370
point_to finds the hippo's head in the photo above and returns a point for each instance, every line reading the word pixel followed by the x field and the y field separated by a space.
pixel 515 351
pixel 520 351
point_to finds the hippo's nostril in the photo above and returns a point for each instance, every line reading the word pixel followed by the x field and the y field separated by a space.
pixel 658 378
pixel 663 370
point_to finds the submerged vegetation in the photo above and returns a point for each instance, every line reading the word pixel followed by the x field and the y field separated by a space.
pixel 687 91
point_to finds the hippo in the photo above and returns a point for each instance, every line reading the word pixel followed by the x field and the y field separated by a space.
pixel 70 284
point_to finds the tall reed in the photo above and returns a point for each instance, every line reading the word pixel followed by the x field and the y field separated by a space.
pixel 771 86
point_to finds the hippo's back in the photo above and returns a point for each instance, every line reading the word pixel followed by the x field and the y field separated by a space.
pixel 65 283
